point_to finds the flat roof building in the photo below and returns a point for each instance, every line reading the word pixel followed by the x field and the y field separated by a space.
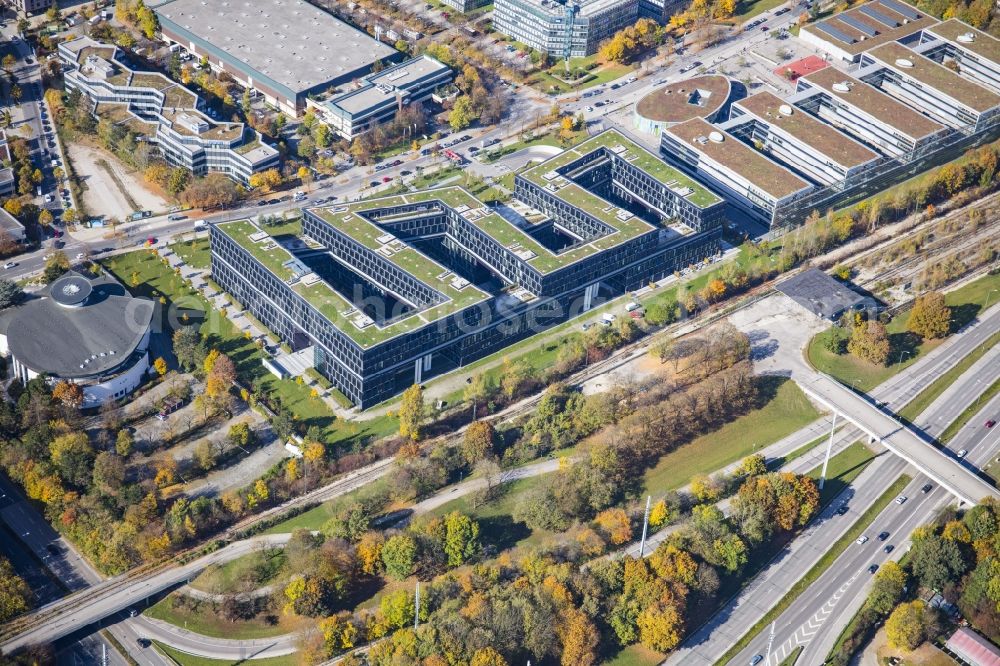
pixel 10 226
pixel 928 86
pixel 748 179
pixel 866 112
pixel 563 28
pixel 974 53
pixel 391 291
pixel 697 97
pixel 793 137
pixel 7 182
pixel 86 331
pixel 849 33
pixel 822 295
pixel 285 49
pixel 163 113
pixel 379 96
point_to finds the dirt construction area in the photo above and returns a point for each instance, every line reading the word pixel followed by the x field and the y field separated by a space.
pixel 117 195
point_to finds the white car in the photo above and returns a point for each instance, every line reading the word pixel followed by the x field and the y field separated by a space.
pixel 80 255
pixel 901 499
pixel 861 539
pixel 9 265
pixel 961 454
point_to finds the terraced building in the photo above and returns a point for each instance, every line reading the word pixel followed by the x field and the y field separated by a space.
pixel 162 112
pixel 391 291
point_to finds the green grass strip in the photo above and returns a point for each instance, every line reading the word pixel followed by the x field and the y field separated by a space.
pixel 923 400
pixel 792 658
pixel 116 644
pixel 969 412
pixel 859 526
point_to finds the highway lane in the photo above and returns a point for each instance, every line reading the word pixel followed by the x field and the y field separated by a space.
pixel 708 643
pixel 839 581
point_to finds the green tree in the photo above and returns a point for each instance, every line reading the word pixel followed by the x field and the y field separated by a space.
pixel 462 113
pixel 905 627
pixel 887 588
pixel 478 441
pixel 55 266
pixel 124 443
pixel 398 608
pixel 936 561
pixel 10 293
pixel 930 316
pixel 411 412
pixel 399 555
pixel 870 342
pixel 189 348
pixel 461 541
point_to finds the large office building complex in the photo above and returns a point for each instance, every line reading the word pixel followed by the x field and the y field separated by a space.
pixel 919 93
pixel 378 97
pixel 973 53
pixel 750 180
pixel 391 291
pixel 162 112
pixel 798 140
pixel 563 28
pixel 845 36
pixel 932 88
pixel 284 49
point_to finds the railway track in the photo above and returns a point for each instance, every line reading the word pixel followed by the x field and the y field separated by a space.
pixel 376 470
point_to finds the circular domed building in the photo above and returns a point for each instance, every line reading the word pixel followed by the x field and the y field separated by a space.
pixel 89 332
pixel 698 97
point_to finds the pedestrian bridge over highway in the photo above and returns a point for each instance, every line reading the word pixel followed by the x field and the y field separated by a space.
pixel 888 431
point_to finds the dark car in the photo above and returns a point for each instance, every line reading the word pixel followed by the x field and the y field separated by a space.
pixel 465 137
pixel 883 536
pixel 143 642
pixel 888 548
pixel 405 172
pixel 53 549
pixel 374 183
pixel 991 423
pixel 927 488
pixel 873 568
pixel 842 510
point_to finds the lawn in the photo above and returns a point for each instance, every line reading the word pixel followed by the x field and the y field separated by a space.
pixel 747 10
pixel 146 275
pixel 185 659
pixel 201 618
pixel 966 302
pixel 785 409
pixel 195 252
pixel 262 567
pixel 549 82
pixel 497 526
pixel 635 655
pixel 844 467
pixel 315 518
pixel 792 658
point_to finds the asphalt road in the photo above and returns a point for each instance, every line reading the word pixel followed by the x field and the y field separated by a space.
pixel 839 592
pixel 708 643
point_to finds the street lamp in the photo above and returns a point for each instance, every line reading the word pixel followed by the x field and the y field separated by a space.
pixel 901 356
pixel 988 294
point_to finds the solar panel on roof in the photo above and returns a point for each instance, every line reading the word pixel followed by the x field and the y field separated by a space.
pixel 873 13
pixel 857 25
pixel 901 8
pixel 833 32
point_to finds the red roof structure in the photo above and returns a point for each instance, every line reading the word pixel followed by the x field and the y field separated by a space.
pixel 807 65
pixel 972 648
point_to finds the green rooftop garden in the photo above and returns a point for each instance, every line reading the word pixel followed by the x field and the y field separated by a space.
pixel 635 155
